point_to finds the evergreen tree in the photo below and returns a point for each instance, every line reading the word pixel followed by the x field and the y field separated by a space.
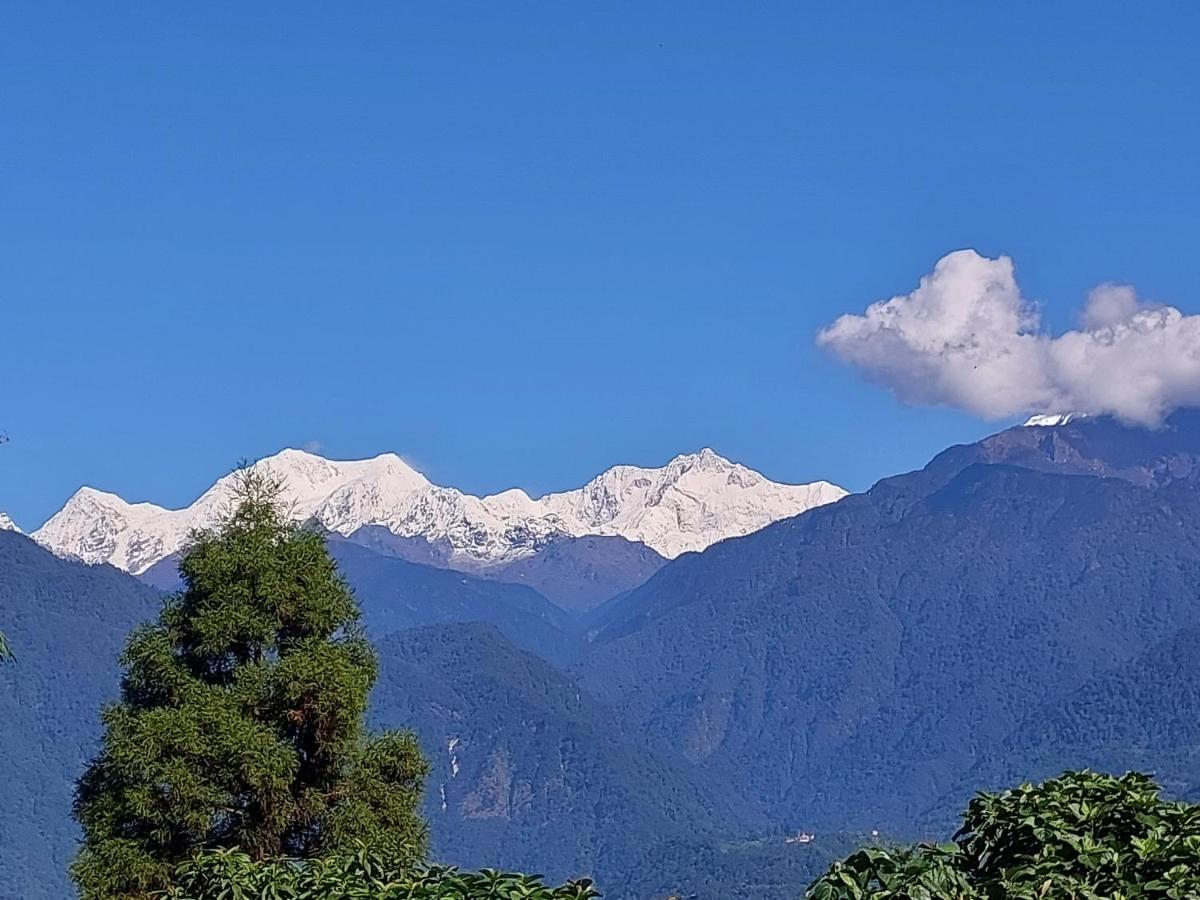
pixel 5 653
pixel 240 722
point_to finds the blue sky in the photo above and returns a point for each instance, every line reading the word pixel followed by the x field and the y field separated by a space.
pixel 519 243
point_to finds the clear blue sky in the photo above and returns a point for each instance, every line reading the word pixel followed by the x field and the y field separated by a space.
pixel 518 243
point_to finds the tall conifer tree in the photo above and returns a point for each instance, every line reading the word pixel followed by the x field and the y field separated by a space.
pixel 240 722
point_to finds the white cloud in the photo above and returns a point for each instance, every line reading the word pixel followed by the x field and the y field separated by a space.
pixel 966 338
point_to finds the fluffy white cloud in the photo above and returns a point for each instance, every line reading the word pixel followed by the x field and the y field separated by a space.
pixel 966 338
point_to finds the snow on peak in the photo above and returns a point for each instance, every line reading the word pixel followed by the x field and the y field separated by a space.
pixel 693 501
pixel 98 527
pixel 1048 421
pixel 7 524
pixel 689 504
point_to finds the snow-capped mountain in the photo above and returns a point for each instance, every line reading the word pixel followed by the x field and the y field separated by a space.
pixel 1049 420
pixel 692 502
pixel 95 526
pixel 7 524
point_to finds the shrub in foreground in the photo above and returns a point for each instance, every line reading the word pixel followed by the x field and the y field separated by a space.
pixel 231 873
pixel 1082 836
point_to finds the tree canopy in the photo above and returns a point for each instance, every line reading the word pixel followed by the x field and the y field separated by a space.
pixel 240 721
pixel 1082 836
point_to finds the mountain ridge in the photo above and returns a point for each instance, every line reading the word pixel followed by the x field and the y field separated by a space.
pixel 688 504
pixel 577 573
pixel 878 645
pixel 1019 604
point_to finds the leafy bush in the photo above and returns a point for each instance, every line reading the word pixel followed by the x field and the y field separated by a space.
pixel 233 874
pixel 1082 836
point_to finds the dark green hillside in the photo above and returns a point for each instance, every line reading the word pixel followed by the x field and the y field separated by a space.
pixel 1144 715
pixel 580 573
pixel 577 573
pixel 395 594
pixel 528 771
pixel 846 665
pixel 771 868
pixel 66 623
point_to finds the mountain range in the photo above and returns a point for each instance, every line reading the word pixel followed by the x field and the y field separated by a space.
pixel 728 720
pixel 687 505
pixel 1018 606
pixel 845 669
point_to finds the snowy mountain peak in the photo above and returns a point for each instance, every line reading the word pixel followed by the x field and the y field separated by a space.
pixel 705 456
pixel 95 526
pixel 692 502
pixel 311 479
pixel 695 500
pixel 1049 421
pixel 101 498
pixel 7 524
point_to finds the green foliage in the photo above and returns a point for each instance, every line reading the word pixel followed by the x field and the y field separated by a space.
pixel 6 654
pixel 347 876
pixel 240 719
pixel 1082 836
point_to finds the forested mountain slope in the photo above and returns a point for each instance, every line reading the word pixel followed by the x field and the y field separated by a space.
pixel 577 573
pixel 66 623
pixel 395 594
pixel 842 667
pixel 528 770
pixel 1143 715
